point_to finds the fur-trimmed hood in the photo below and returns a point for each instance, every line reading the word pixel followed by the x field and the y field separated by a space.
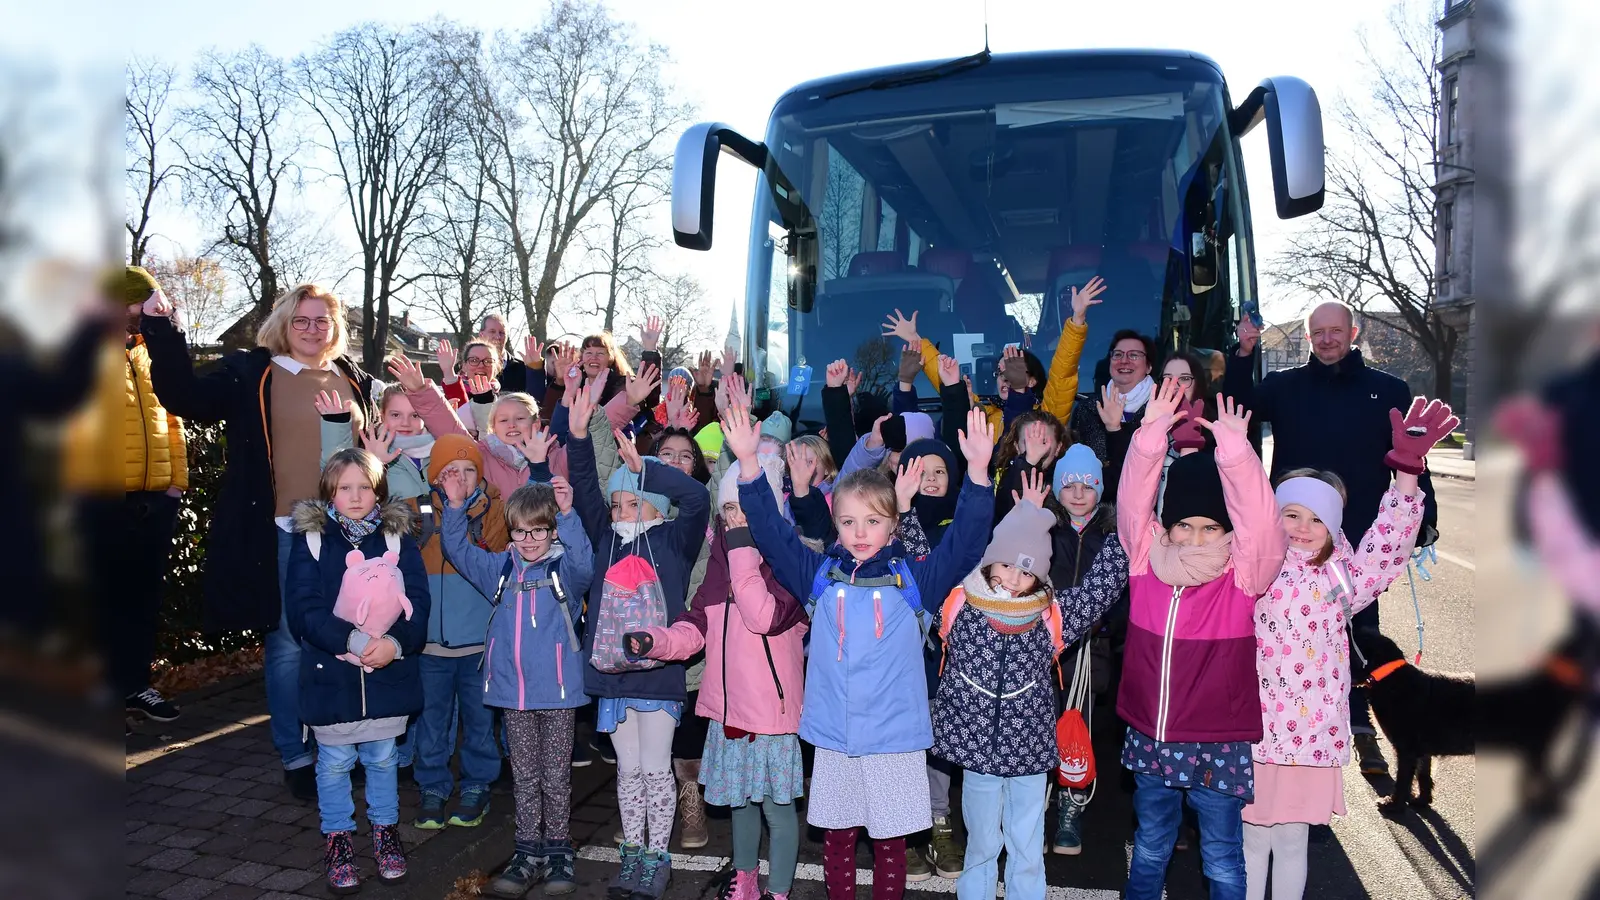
pixel 311 516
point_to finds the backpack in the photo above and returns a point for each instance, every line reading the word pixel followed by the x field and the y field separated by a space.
pixel 958 599
pixel 314 543
pixel 1074 746
pixel 899 577
pixel 631 599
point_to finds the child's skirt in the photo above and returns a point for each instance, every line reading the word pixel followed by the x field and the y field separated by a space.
pixel 736 771
pixel 886 792
pixel 1310 794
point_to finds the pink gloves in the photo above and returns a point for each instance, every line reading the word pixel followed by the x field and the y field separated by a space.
pixel 1416 433
pixel 1187 434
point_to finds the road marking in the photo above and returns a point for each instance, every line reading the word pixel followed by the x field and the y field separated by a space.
pixel 1452 558
pixel 812 872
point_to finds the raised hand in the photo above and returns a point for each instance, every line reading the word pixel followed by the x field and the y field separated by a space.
pixel 730 358
pixel 875 437
pixel 676 400
pixel 1162 407
pixel 734 518
pixel 1535 429
pixel 455 487
pixel 1016 368
pixel 1186 435
pixel 852 382
pixel 536 444
pixel 158 305
pixel 1036 442
pixel 1416 432
pixel 650 333
pixel 1232 427
pixel 1249 336
pixel 563 491
pixel 447 362
pixel 408 373
pixel 1035 487
pixel 949 370
pixel 329 403
pixel 910 364
pixel 838 371
pixel 977 445
pixel 1110 408
pixel 740 433
pixel 739 393
pixel 1082 300
pixel 375 439
pixel 640 386
pixel 478 385
pixel 907 482
pixel 702 373
pixel 628 451
pixel 532 350
pixel 581 406
pixel 897 325
pixel 570 372
pixel 802 467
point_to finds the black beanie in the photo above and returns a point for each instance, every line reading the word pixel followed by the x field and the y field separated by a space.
pixel 1194 488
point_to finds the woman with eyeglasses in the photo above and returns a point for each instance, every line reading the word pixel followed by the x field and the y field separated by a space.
pixel 479 360
pixel 1191 376
pixel 266 398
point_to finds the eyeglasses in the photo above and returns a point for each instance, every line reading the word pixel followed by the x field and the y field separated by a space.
pixel 538 533
pixel 674 457
pixel 478 361
pixel 1129 355
pixel 1182 379
pixel 304 323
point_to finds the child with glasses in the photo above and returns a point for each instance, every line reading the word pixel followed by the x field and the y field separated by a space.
pixel 533 668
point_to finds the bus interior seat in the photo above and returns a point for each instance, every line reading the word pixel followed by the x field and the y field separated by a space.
pixel 850 310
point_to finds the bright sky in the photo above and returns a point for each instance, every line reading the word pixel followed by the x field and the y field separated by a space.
pixel 733 60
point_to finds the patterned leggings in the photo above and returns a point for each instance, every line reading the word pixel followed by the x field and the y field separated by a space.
pixel 541 767
pixel 839 865
pixel 647 792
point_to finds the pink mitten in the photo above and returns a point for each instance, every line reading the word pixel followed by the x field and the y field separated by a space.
pixel 1535 429
pixel 1187 434
pixel 1416 433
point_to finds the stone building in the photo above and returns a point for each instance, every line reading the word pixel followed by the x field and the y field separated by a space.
pixel 1458 228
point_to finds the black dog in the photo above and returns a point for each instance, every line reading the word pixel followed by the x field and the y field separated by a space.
pixel 1424 714
pixel 1529 713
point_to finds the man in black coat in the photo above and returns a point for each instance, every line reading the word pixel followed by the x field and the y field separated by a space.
pixel 1333 414
pixel 513 371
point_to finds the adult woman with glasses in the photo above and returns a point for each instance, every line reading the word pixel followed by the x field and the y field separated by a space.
pixel 478 359
pixel 1130 358
pixel 265 397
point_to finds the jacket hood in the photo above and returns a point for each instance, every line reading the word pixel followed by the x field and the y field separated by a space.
pixel 310 516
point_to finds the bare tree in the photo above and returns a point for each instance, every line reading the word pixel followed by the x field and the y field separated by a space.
pixel 242 145
pixel 598 116
pixel 686 330
pixel 384 100
pixel 631 240
pixel 1372 243
pixel 199 287
pixel 147 140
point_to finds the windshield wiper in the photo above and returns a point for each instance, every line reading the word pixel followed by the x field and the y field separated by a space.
pixel 919 76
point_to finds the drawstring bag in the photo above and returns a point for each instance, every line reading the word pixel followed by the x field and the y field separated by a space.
pixel 1073 743
pixel 630 600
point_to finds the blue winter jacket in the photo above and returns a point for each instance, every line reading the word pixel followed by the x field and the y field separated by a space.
pixel 333 691
pixel 533 659
pixel 866 688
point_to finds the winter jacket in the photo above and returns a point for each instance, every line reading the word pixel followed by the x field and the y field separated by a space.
pixel 461 608
pixel 333 691
pixel 1061 383
pixel 241 560
pixel 1303 648
pixel 155 456
pixel 1188 670
pixel 867 691
pixel 752 632
pixel 408 475
pixel 533 659
pixel 1335 418
pixel 996 709
pixel 1576 397
pixel 670 547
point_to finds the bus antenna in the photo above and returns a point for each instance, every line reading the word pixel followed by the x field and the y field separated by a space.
pixel 986 27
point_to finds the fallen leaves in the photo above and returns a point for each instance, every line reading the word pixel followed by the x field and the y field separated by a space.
pixel 192 676
pixel 469 886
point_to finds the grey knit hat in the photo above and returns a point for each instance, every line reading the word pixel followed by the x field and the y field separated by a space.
pixel 1022 539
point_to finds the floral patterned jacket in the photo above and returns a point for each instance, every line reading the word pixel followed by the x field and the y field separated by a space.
pixel 1303 657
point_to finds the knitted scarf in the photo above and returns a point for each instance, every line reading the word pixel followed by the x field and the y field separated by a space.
pixel 1003 609
pixel 1184 566
pixel 356 530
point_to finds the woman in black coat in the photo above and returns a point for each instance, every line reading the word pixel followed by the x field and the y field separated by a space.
pixel 301 350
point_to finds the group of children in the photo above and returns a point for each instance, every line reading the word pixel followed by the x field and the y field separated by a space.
pixel 879 611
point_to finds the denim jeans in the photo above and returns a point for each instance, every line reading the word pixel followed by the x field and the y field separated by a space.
pixel 452 691
pixel 334 801
pixel 282 663
pixel 1160 812
pixel 1000 810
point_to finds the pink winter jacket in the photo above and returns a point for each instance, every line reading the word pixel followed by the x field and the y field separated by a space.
pixel 1568 552
pixel 441 420
pixel 740 687
pixel 1189 662
pixel 1302 648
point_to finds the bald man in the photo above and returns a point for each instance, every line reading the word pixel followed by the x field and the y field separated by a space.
pixel 1332 413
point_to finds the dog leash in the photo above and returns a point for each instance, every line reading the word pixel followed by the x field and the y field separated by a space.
pixel 1417 566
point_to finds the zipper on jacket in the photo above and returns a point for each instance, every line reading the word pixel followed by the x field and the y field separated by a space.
pixel 516 656
pixel 1164 705
pixel 488 666
pixel 144 429
pixel 362 674
pixel 1000 686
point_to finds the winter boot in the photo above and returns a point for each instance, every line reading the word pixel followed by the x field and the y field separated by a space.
pixel 945 850
pixel 522 872
pixel 655 872
pixel 340 859
pixel 559 877
pixel 1068 841
pixel 742 886
pixel 390 854
pixel 632 858
pixel 692 832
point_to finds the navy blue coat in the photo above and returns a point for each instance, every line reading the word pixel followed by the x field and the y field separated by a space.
pixel 332 690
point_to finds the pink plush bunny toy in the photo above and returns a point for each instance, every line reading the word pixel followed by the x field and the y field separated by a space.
pixel 372 596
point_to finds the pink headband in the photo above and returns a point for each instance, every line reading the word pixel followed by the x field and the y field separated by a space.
pixel 1316 495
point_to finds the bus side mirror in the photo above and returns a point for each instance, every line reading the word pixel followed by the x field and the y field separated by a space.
pixel 694 178
pixel 803 260
pixel 1294 139
pixel 1202 262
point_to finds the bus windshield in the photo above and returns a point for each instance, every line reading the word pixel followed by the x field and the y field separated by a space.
pixel 978 201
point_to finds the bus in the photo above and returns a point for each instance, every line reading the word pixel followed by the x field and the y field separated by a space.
pixel 977 192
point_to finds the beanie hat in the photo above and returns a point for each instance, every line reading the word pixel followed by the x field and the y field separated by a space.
pixel 919 426
pixel 1079 465
pixel 132 285
pixel 905 429
pixel 771 467
pixel 680 372
pixel 448 449
pixel 1316 495
pixel 1022 540
pixel 1194 488
pixel 869 408
pixel 626 481
pixel 929 447
pixel 778 427
pixel 710 439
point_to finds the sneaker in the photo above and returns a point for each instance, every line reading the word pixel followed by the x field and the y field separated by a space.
pixel 655 873
pixel 945 851
pixel 580 755
pixel 474 806
pixel 1068 842
pixel 742 886
pixel 601 745
pixel 431 816
pixel 524 870
pixel 150 704
pixel 339 856
pixel 692 810
pixel 559 877
pixel 632 859
pixel 917 868
pixel 391 856
pixel 1370 755
pixel 302 783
